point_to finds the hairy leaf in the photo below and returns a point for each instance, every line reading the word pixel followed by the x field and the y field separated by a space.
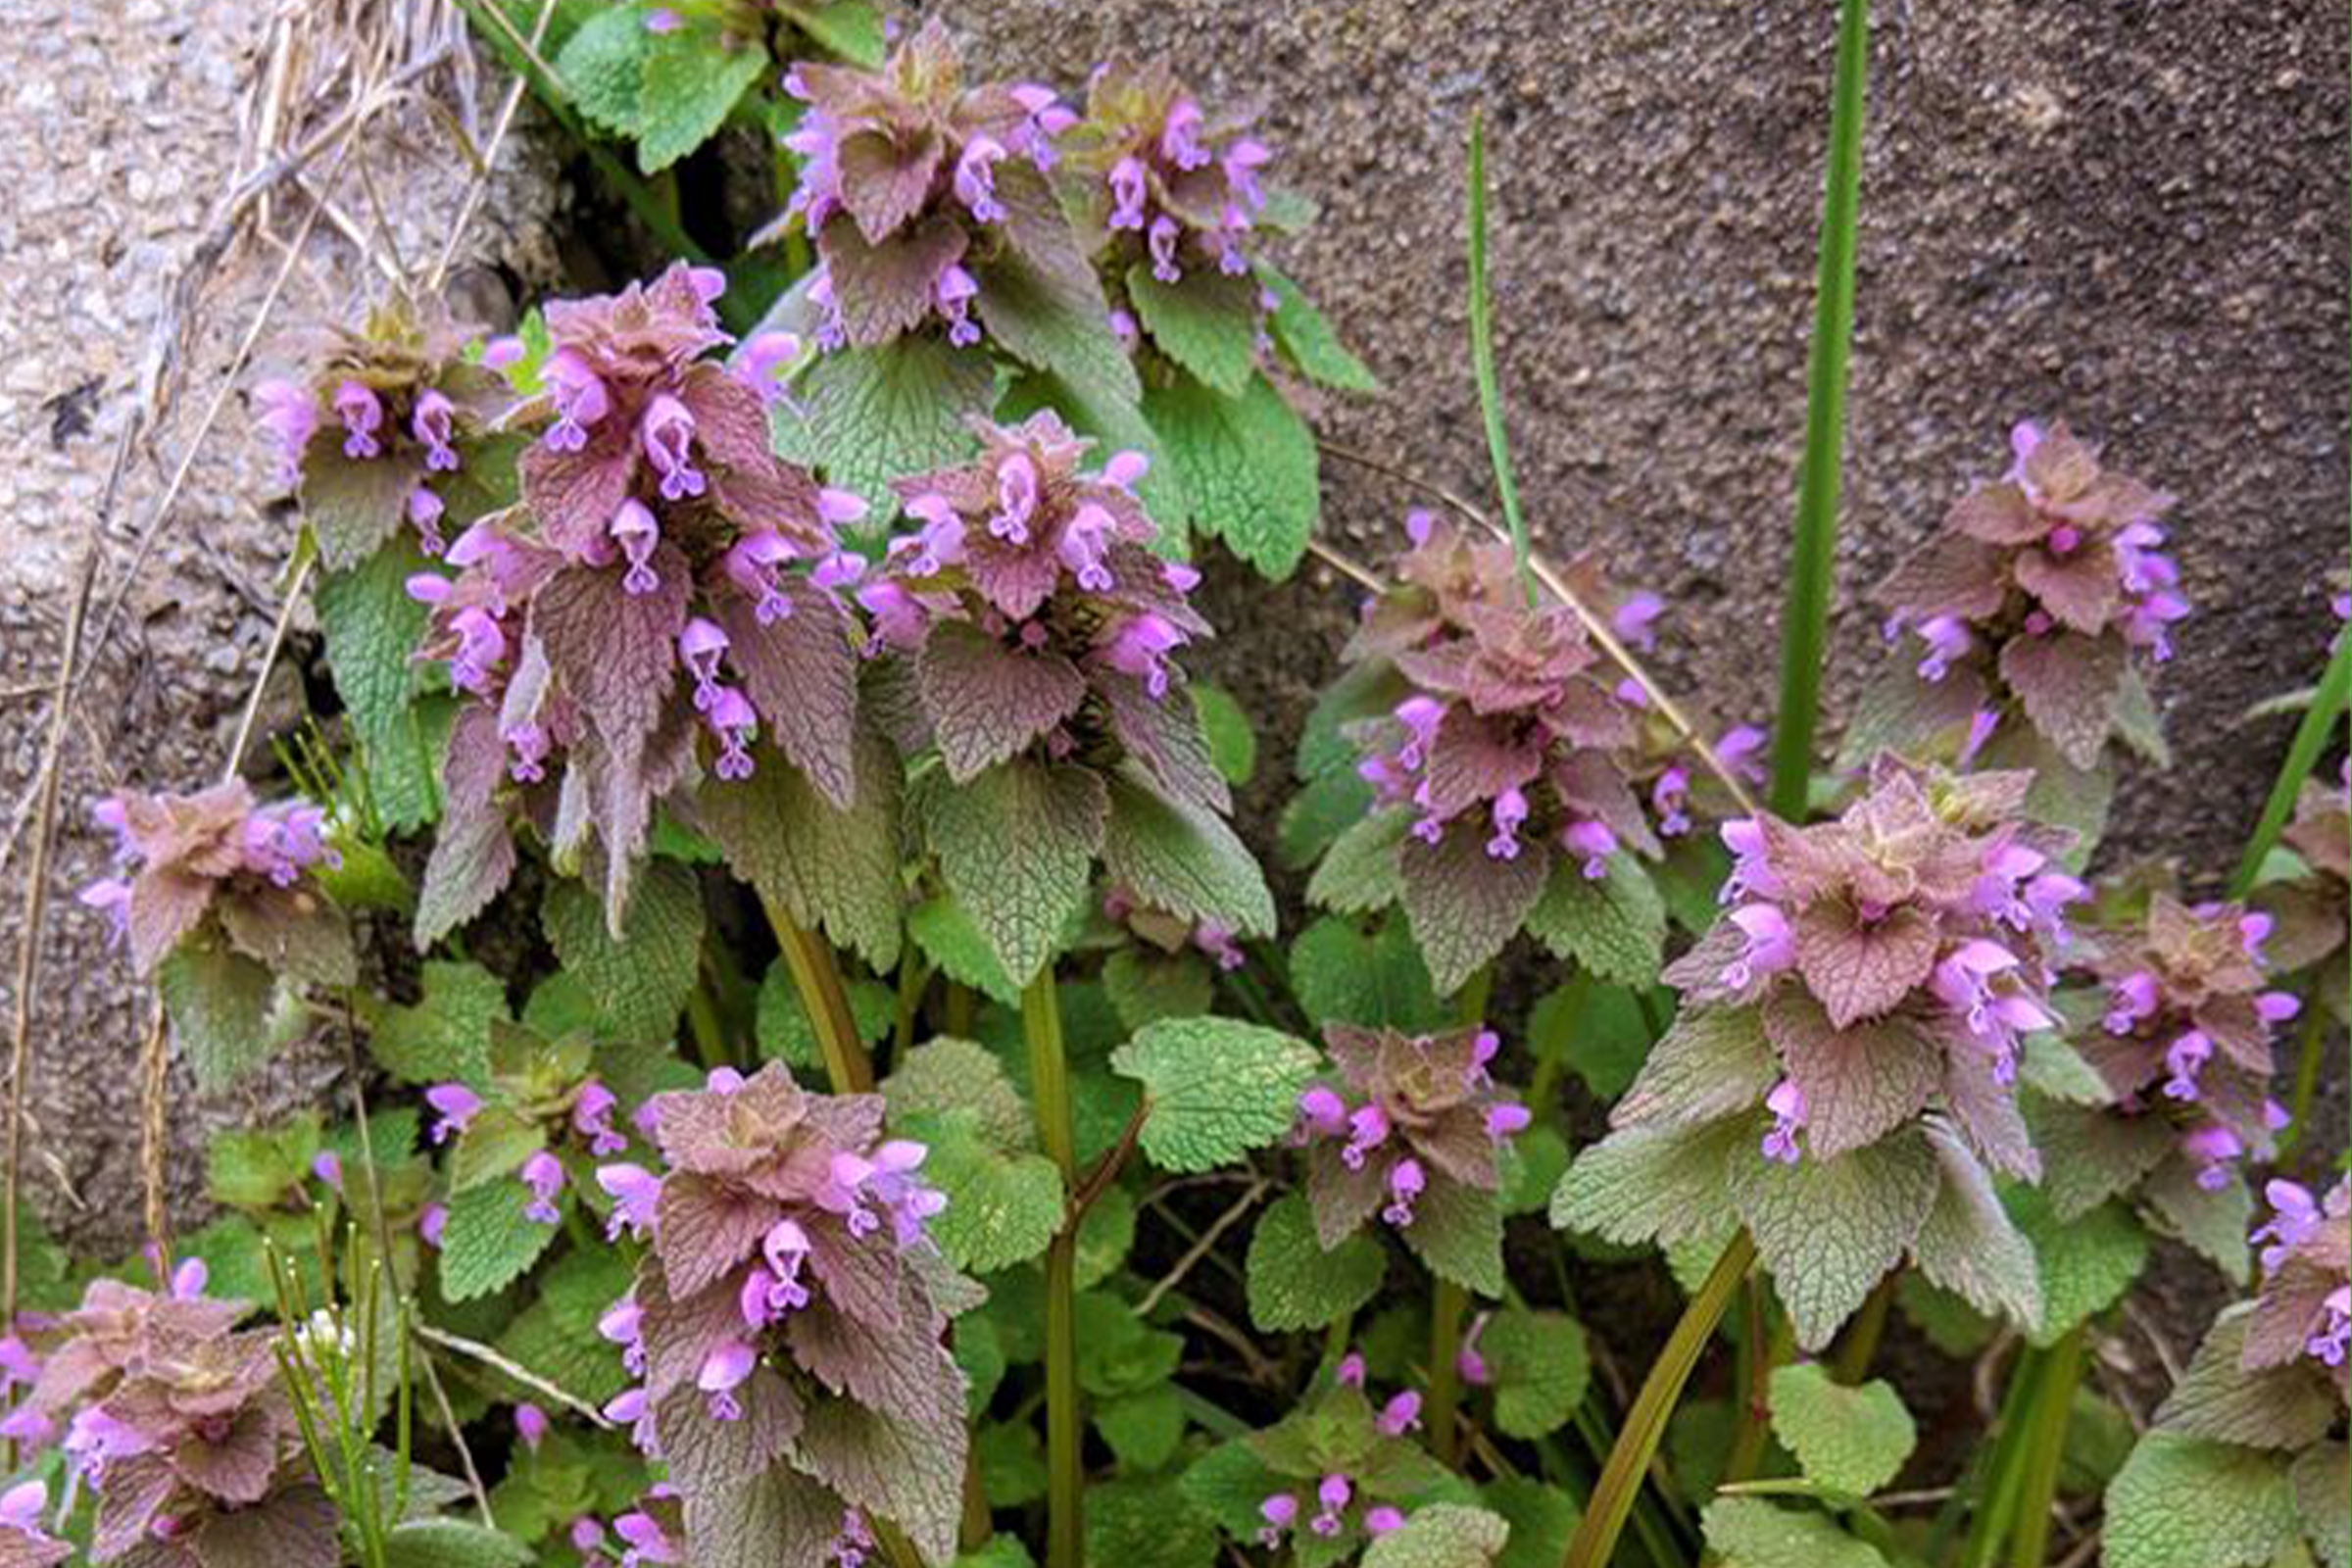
pixel 1712 1063
pixel 373 628
pixel 1615 926
pixel 1341 975
pixel 822 867
pixel 1004 1207
pixel 1539 1368
pixel 1217 1087
pixel 488 1240
pixel 1016 846
pixel 884 413
pixel 1751 1533
pixel 1207 321
pixel 1847 1441
pixel 1185 860
pixel 2068 684
pixel 642 980
pixel 1361 870
pixel 962 953
pixel 2320 1480
pixel 1969 1244
pixel 1830 1229
pixel 990 701
pixel 445 1035
pixel 2085 1264
pixel 219 1001
pixel 690 87
pixel 1308 341
pixel 1295 1284
pixel 1859 1083
pixel 1464 904
pixel 1440 1534
pixel 2182 1502
pixel 1457 1233
pixel 1654 1183
pixel 1249 466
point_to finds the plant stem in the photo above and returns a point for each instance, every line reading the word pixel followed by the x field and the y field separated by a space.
pixel 2302 756
pixel 2044 1450
pixel 1449 1304
pixel 818 978
pixel 702 1021
pixel 1596 1539
pixel 1770 1344
pixel 1996 1505
pixel 1861 1343
pixel 1805 623
pixel 2310 1048
pixel 1065 1432
pixel 1482 358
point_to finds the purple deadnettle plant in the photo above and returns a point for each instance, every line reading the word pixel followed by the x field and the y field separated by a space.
pixel 1490 735
pixel 2258 1412
pixel 787 1322
pixel 218 899
pixel 1845 1057
pixel 2040 603
pixel 1410 1135
pixel 25 1541
pixel 928 203
pixel 1037 634
pixel 2181 1045
pixel 381 424
pixel 181 1424
pixel 2307 898
pixel 662 601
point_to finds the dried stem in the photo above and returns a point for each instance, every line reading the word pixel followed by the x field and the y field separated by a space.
pixel 476 1350
pixel 36 908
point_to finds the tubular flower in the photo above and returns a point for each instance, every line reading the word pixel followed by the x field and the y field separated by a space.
pixel 2182 1044
pixel 1496 751
pixel 1344 1471
pixel 625 632
pixel 2037 608
pixel 918 189
pixel 788 1268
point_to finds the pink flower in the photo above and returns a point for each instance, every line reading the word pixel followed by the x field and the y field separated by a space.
pixel 362 414
pixel 1406 1180
pixel 580 397
pixel 1280 1511
pixel 635 1192
pixel 543 1174
pixel 723 1370
pixel 431 422
pixel 1400 1415
pixel 1593 843
pixel 1333 1494
pixel 1771 945
pixel 1787 1103
pixel 592 1118
pixel 530 1425
pixel 456 1105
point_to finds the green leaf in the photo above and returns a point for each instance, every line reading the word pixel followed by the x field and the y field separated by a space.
pixel 2085 1264
pixel 1207 321
pixel 445 1036
pixel 604 65
pixel 1360 872
pixel 1614 926
pixel 219 1001
pixel 1016 846
pixel 1046 325
pixel 1105 1237
pixel 1309 342
pixel 1663 1182
pixel 875 414
pixel 1231 740
pixel 2182 1502
pixel 1442 1534
pixel 1151 1523
pixel 1341 975
pixel 1011 1463
pixel 952 941
pixel 1317 812
pixel 1599 1029
pixel 257 1168
pixel 1247 464
pixel 1185 860
pixel 1146 985
pixel 488 1240
pixel 1751 1533
pixel 373 630
pixel 1142 1429
pixel 1458 1234
pixel 493 1146
pixel 946 1074
pixel 453 1543
pixel 1969 1244
pixel 781 1018
pixel 2319 1482
pixel 1295 1284
pixel 1003 1207
pixel 691 82
pixel 1539 1368
pixel 1464 905
pixel 1218 1088
pixel 1830 1229
pixel 1528 1168
pixel 826 868
pixel 1848 1440
pixel 1540 1518
pixel 641 981
pixel 850 28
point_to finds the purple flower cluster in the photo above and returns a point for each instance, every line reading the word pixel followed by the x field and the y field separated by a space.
pixel 1172 934
pixel 787 1264
pixel 1925 918
pixel 2304 1308
pixel 387 413
pixel 2042 583
pixel 1513 725
pixel 1343 1469
pixel 667 588
pixel 178 1421
pixel 587 1110
pixel 179 857
pixel 1415 1120
pixel 1168 184
pixel 909 179
pixel 2187 1031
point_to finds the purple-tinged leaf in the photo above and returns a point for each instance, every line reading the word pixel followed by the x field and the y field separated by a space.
pixel 1861 969
pixel 801 673
pixel 473 851
pixel 1830 1229
pixel 777 1519
pixel 1714 1063
pixel 886 289
pixel 2068 684
pixel 1183 860
pixel 1016 846
pixel 2272 1407
pixel 1859 1083
pixel 705 1454
pixel 990 701
pixel 886 177
pixel 837 870
pixel 1464 904
pixel 354 505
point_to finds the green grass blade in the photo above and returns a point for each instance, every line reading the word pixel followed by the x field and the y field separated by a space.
pixel 2302 756
pixel 1482 356
pixel 1805 623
